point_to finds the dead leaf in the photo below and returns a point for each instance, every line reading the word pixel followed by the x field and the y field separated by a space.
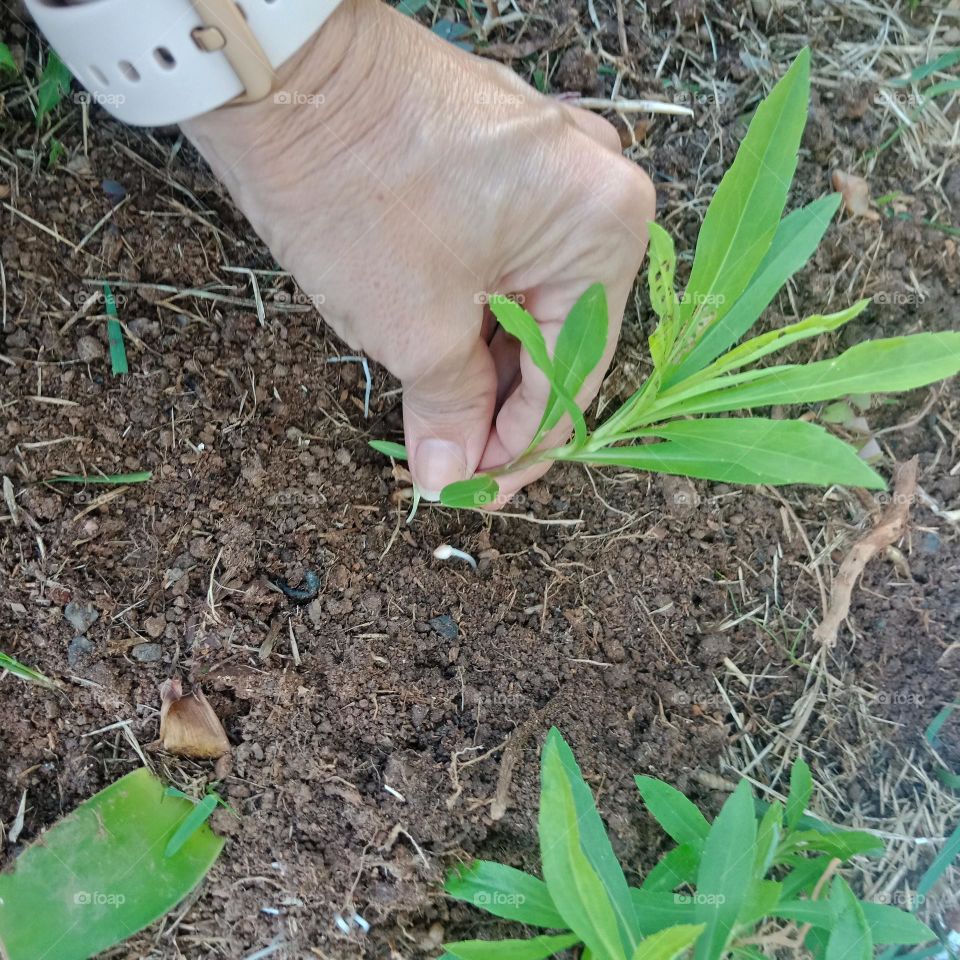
pixel 856 194
pixel 188 725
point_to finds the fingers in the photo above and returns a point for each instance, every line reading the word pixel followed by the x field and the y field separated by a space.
pixel 447 411
pixel 596 127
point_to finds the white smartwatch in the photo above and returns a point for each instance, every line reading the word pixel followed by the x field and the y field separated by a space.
pixel 154 62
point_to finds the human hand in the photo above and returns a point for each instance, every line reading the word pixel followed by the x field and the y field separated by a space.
pixel 403 180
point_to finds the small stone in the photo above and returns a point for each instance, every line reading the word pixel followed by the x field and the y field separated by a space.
pixel 155 626
pixel 81 616
pixel 78 648
pixel 89 349
pixel 446 626
pixel 929 543
pixel 147 652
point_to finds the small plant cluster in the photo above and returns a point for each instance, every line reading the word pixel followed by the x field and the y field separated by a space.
pixel 745 254
pixel 759 875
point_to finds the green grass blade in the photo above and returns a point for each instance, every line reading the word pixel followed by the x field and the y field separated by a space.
pixel 118 352
pixel 949 853
pixel 390 449
pixel 54 84
pixel 891 365
pixel 505 892
pixel 768 839
pixel 795 241
pixel 593 898
pixel 745 212
pixel 744 451
pixel 6 58
pixel 668 944
pixel 943 62
pixel 801 789
pixel 113 478
pixel 191 824
pixel 580 346
pixel 520 324
pixel 726 871
pixel 14 666
pixel 99 875
pixel 680 818
pixel 535 948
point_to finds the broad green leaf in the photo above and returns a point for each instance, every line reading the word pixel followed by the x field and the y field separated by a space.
pixel 536 948
pixel 505 892
pixel 745 212
pixel 726 871
pixel 768 838
pixel 580 346
pixel 191 824
pixel 842 844
pixel 574 883
pixel 744 451
pixel 387 447
pixel 668 944
pixel 801 788
pixel 850 937
pixel 762 898
pixel 657 909
pixel 520 324
pixel 54 84
pixel 795 241
pixel 679 817
pixel 6 58
pixel 477 492
pixel 876 366
pixel 887 924
pixel 675 868
pixel 99 875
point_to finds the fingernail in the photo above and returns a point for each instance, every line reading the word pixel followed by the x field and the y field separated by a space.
pixel 438 463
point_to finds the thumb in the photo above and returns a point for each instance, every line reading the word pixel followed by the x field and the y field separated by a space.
pixel 447 415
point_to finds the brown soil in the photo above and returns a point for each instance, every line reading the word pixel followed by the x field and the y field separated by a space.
pixel 610 628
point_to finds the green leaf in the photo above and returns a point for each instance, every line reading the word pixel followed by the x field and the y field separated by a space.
pixel 768 838
pixel 390 449
pixel 518 323
pixel 726 871
pixel 657 909
pixel 744 450
pixel 668 944
pixel 842 844
pixel 11 665
pixel 760 901
pixel 477 492
pixel 411 7
pixel 505 892
pixel 887 924
pixel 675 868
pixel 54 84
pixel 745 212
pixel 114 478
pixel 850 937
pixel 6 58
pixel 580 346
pixel 795 241
pixel 191 824
pixel 876 366
pixel 804 875
pixel 533 949
pixel 663 295
pixel 942 861
pixel 57 150
pixel 118 352
pixel 590 894
pixel 99 875
pixel 801 788
pixel 679 817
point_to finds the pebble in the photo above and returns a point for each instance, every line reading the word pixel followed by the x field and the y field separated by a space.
pixel 78 648
pixel 147 652
pixel 446 626
pixel 81 616
pixel 155 626
pixel 929 543
pixel 89 349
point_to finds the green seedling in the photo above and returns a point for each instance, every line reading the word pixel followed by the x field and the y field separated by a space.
pixel 201 812
pixel 7 63
pixel 118 352
pixel 745 253
pixel 109 478
pixel 53 87
pixel 754 865
pixel 9 665
pixel 103 873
